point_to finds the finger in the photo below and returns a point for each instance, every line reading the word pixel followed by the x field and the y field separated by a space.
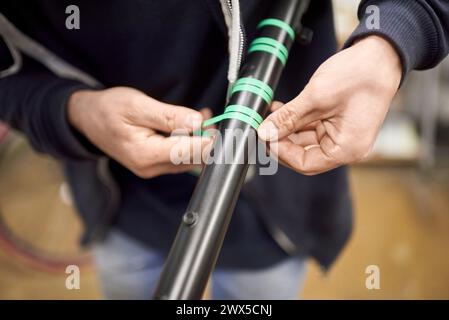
pixel 276 105
pixel 162 169
pixel 206 113
pixel 166 117
pixel 312 126
pixel 177 149
pixel 306 160
pixel 304 138
pixel 289 118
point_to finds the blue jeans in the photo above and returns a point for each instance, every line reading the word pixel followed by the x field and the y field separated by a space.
pixel 129 270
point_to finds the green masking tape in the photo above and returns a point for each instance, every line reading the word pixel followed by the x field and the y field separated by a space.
pixel 256 83
pixel 280 24
pixel 269 49
pixel 232 115
pixel 271 42
pixel 245 110
pixel 255 86
pixel 238 112
pixel 256 90
pixel 234 111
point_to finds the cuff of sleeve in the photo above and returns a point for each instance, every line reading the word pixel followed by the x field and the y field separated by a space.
pixel 68 142
pixel 406 25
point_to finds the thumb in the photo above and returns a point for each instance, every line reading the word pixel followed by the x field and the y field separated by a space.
pixel 287 119
pixel 276 105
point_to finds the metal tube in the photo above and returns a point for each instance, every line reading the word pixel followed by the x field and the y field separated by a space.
pixel 199 239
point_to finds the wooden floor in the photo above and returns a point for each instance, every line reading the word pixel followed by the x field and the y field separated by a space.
pixel 401 225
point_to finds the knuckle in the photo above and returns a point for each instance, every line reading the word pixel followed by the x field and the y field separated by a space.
pixel 135 100
pixel 287 118
pixel 137 162
pixel 169 119
pixel 315 89
pixel 103 97
pixel 118 131
pixel 319 93
pixel 133 108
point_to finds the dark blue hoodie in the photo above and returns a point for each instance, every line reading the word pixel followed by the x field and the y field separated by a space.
pixel 176 51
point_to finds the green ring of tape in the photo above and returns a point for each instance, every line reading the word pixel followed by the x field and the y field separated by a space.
pixel 271 42
pixel 269 49
pixel 257 83
pixel 235 111
pixel 256 90
pixel 232 115
pixel 245 110
pixel 280 24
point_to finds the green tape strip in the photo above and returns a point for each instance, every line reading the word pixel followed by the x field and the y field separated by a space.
pixel 232 115
pixel 257 83
pixel 245 110
pixel 256 90
pixel 266 48
pixel 271 42
pixel 235 111
pixel 280 24
pixel 201 132
pixel 240 112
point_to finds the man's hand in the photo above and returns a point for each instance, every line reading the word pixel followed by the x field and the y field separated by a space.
pixel 126 124
pixel 336 118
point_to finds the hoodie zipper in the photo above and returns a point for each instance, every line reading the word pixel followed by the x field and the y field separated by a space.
pixel 242 37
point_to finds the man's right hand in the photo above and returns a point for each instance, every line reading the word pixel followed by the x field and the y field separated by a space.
pixel 126 124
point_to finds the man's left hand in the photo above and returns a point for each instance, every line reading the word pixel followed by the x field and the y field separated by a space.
pixel 336 118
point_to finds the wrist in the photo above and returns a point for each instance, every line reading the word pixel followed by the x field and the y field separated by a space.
pixel 76 109
pixel 383 56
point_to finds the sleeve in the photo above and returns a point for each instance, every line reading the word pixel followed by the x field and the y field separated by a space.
pixel 418 29
pixel 34 101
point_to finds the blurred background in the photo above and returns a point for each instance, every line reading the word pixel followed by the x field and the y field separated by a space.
pixel 401 200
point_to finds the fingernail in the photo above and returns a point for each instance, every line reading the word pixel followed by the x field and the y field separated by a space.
pixel 193 121
pixel 268 131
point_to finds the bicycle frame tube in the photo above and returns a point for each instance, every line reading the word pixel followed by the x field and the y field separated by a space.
pixel 200 236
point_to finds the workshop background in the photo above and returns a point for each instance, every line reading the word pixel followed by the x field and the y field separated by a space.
pixel 401 199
